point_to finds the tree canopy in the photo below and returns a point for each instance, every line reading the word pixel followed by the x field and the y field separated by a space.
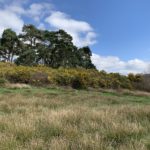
pixel 9 45
pixel 50 48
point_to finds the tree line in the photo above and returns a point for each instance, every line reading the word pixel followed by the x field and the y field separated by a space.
pixel 50 48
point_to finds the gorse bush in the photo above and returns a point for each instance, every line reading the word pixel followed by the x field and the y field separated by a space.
pixel 74 77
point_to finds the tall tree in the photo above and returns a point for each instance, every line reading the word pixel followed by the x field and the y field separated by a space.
pixel 85 58
pixel 58 50
pixel 10 45
pixel 51 48
pixel 30 37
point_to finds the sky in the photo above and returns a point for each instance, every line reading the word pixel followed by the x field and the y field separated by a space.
pixel 117 31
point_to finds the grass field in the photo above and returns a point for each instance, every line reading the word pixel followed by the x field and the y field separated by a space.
pixel 59 119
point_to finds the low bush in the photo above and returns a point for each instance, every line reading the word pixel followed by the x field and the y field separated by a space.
pixel 39 78
pixel 76 78
pixel 77 83
pixel 143 84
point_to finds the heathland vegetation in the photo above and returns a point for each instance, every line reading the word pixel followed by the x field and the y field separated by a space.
pixel 42 57
pixel 53 98
pixel 78 78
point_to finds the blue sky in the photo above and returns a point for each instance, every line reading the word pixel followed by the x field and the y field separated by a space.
pixel 118 31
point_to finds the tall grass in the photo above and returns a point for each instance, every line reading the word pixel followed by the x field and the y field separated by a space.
pixel 58 119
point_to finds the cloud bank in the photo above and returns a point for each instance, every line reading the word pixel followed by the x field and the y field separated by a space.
pixel 9 19
pixel 115 64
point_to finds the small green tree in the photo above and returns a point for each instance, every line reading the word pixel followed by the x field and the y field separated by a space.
pixel 10 45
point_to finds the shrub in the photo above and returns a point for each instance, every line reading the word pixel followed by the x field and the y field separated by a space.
pixel 76 78
pixel 77 83
pixel 39 78
pixel 19 75
pixel 62 79
pixel 135 78
pixel 143 84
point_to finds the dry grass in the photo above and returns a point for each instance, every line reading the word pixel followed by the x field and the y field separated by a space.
pixel 56 119
pixel 17 85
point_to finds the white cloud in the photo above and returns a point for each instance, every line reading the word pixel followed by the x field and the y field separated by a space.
pixel 10 20
pixel 39 10
pixel 17 9
pixel 114 64
pixel 11 15
pixel 82 33
pixel 36 11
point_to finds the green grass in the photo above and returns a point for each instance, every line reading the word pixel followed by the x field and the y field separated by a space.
pixel 67 119
pixel 129 99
